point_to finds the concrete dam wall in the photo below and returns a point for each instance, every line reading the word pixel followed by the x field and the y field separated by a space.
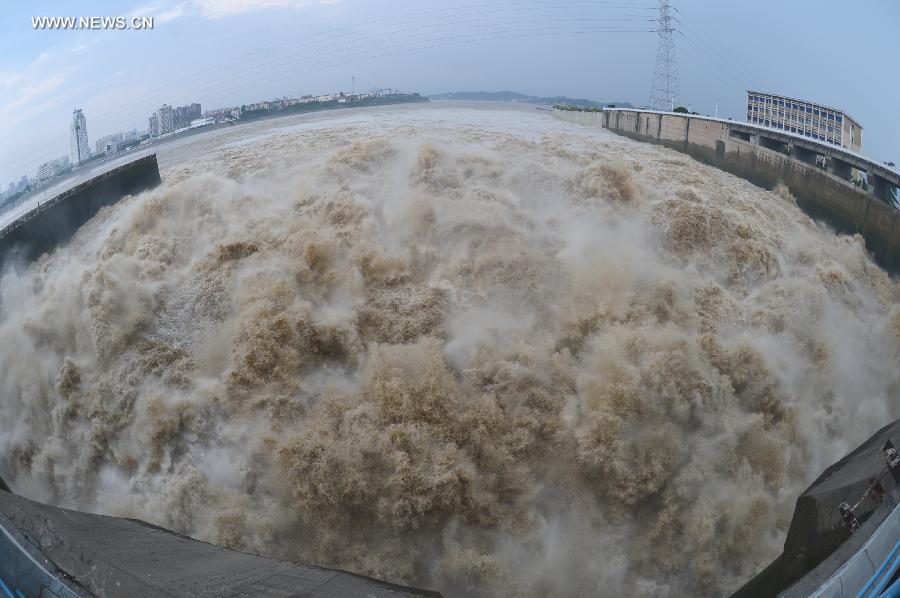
pixel 821 182
pixel 55 221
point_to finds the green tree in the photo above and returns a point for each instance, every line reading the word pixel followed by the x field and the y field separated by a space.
pixel 681 110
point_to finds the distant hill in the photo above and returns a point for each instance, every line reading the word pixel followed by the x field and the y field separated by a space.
pixel 512 96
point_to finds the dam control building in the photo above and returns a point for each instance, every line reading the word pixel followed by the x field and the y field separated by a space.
pixel 801 117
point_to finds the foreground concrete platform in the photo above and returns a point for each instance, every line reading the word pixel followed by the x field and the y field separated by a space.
pixel 48 551
pixel 819 543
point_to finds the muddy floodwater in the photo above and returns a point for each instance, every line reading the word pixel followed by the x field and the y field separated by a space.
pixel 470 348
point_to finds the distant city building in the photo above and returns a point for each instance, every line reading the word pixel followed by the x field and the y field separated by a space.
pixel 185 114
pixel 202 122
pixel 52 168
pixel 180 117
pixel 165 119
pixel 46 171
pixel 804 118
pixel 109 144
pixel 79 150
pixel 168 119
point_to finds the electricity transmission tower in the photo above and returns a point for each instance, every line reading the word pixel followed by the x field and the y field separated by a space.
pixel 665 76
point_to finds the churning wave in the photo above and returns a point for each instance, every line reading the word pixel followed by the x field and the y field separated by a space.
pixel 480 351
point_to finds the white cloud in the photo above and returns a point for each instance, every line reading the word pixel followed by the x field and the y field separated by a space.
pixel 36 99
pixel 8 79
pixel 34 91
pixel 163 11
pixel 170 14
pixel 85 44
pixel 214 9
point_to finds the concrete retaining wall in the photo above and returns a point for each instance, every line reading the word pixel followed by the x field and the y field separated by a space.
pixel 56 220
pixel 820 194
pixel 582 117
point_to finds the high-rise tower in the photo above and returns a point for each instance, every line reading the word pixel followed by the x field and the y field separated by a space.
pixel 79 150
pixel 664 93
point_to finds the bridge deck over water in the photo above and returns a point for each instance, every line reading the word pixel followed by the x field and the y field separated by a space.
pixel 838 160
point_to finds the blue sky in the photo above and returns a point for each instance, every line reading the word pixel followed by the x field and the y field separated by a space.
pixel 228 52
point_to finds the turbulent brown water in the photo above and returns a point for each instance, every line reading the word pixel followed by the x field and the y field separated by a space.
pixel 480 351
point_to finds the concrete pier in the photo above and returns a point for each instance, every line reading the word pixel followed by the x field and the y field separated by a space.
pixel 53 222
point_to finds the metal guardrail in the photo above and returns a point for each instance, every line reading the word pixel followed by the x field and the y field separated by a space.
pixel 859 569
pixel 876 585
pixel 22 576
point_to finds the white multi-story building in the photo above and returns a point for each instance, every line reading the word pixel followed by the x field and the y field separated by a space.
pixel 804 118
pixel 79 151
pixel 165 119
pixel 109 144
pixel 46 170
pixel 52 168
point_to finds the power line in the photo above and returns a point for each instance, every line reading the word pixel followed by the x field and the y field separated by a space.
pixel 701 57
pixel 721 51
